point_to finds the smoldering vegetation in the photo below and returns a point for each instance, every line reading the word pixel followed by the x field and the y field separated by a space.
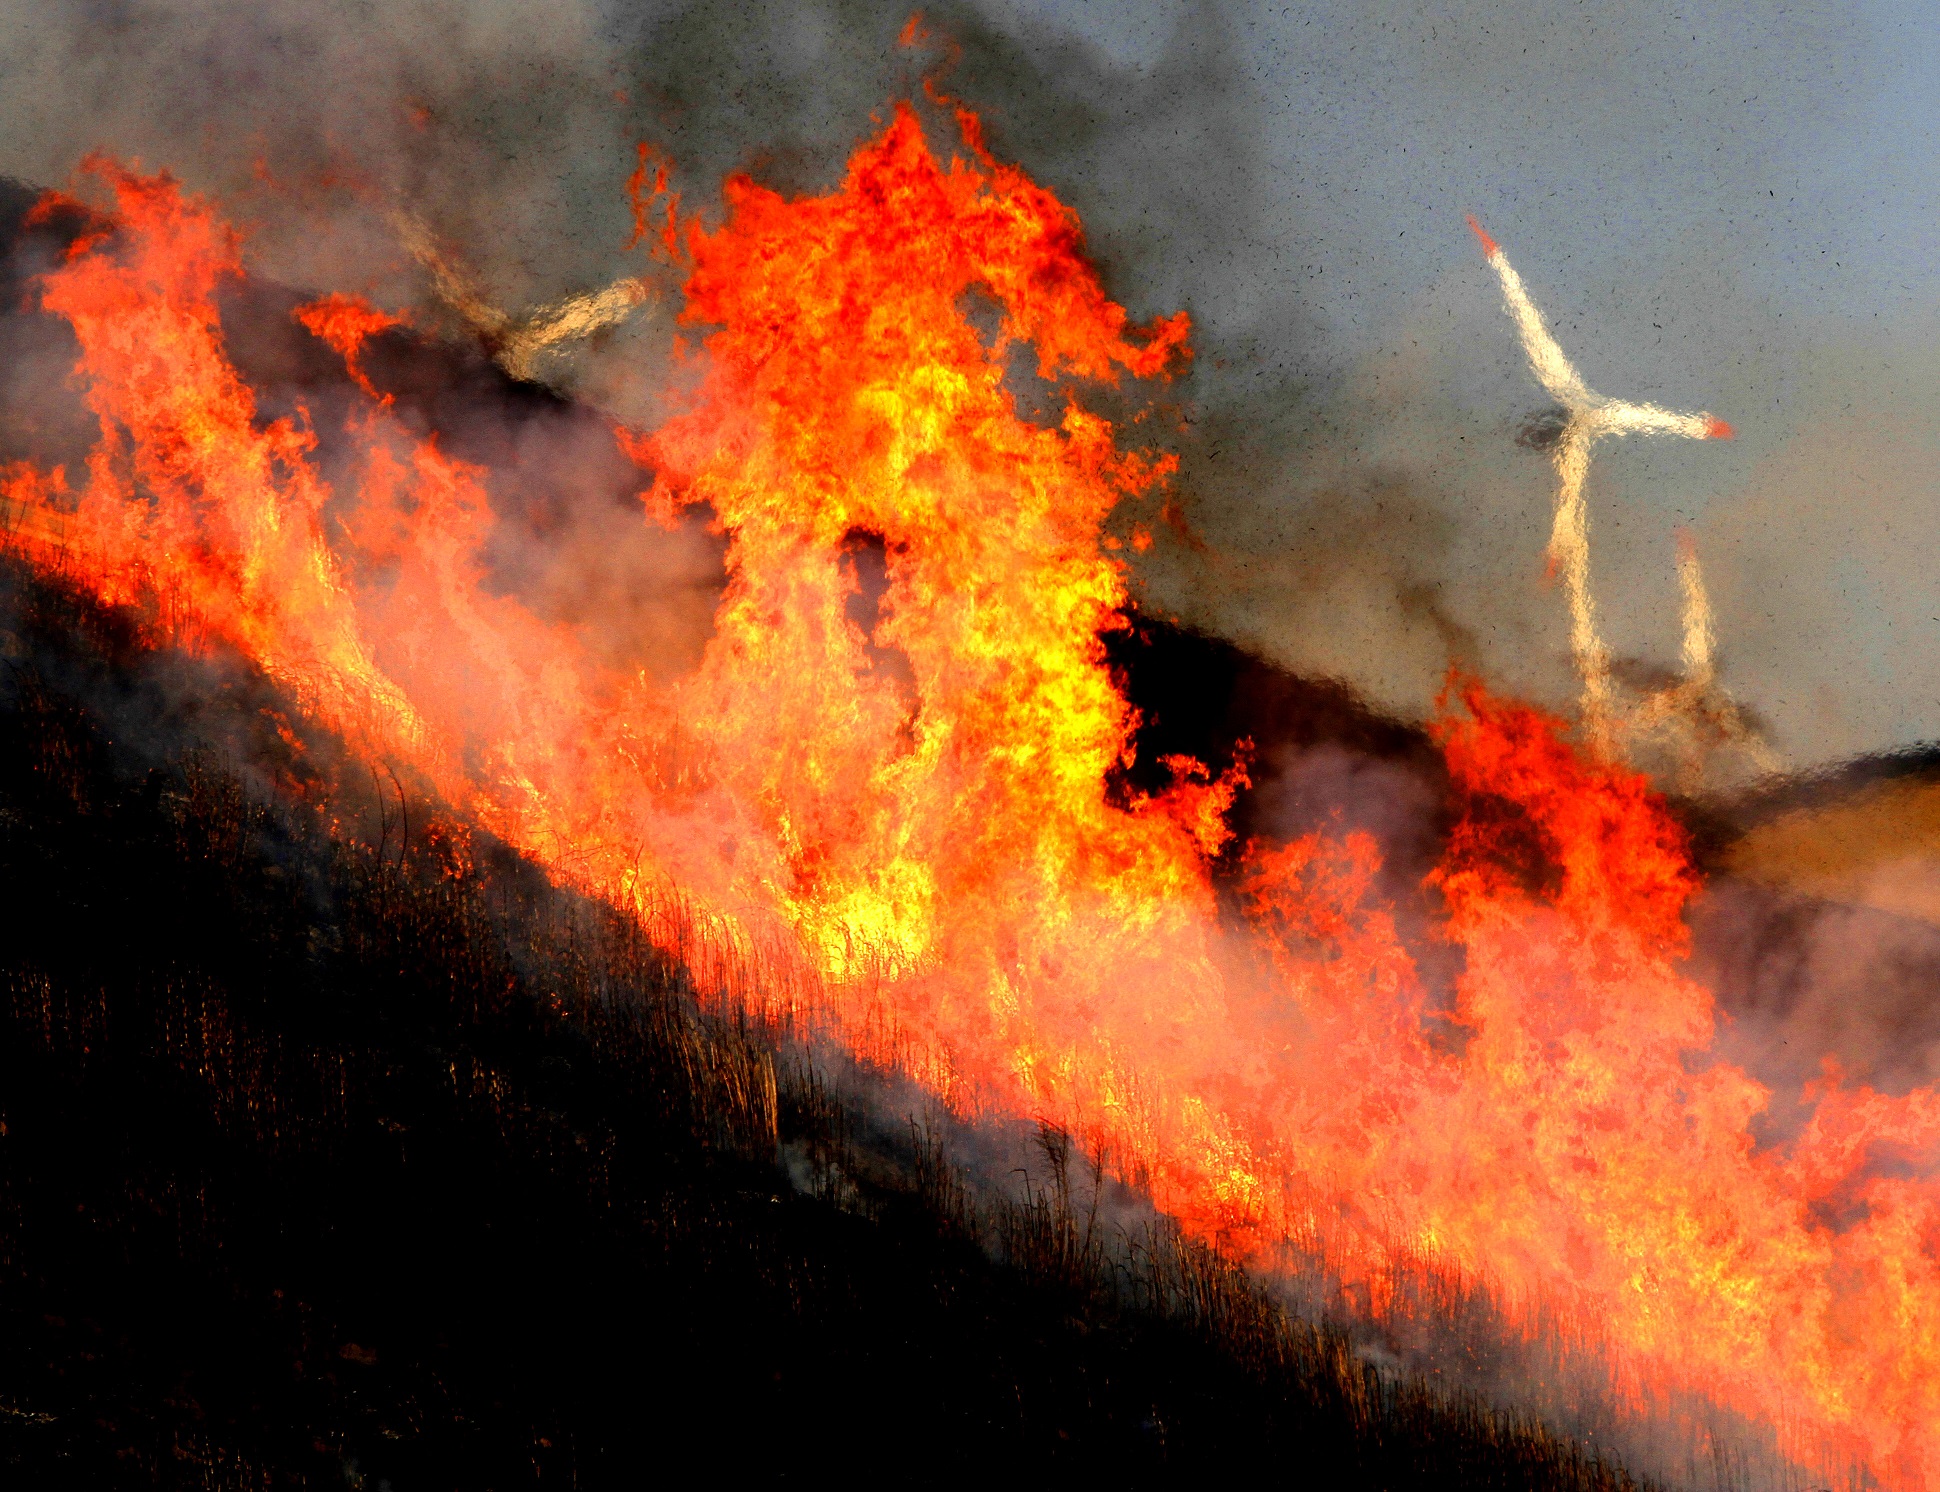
pixel 336 1148
pixel 1819 928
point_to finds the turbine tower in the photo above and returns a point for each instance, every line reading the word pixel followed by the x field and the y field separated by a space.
pixel 1586 417
pixel 1698 712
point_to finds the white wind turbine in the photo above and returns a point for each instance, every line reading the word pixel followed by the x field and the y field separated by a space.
pixel 1588 418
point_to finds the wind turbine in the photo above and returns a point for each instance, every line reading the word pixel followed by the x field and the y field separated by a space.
pixel 517 343
pixel 1698 712
pixel 1587 417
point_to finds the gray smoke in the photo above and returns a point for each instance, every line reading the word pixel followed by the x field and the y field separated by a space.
pixel 1715 213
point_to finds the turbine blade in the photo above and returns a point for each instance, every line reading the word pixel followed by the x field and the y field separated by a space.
pixel 1620 417
pixel 1552 369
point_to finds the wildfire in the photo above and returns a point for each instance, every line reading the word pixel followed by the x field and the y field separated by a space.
pixel 930 855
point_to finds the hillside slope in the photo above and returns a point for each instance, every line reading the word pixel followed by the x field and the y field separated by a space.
pixel 337 1149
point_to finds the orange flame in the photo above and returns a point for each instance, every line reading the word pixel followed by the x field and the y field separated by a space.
pixel 344 323
pixel 929 856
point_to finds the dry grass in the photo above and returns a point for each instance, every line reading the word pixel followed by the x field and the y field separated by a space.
pixel 339 1148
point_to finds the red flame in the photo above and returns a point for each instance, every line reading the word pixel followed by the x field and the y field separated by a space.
pixel 344 323
pixel 928 858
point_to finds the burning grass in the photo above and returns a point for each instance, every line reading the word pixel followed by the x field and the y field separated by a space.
pixel 920 842
pixel 336 1146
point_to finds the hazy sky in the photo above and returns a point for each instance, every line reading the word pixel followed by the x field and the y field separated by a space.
pixel 1720 207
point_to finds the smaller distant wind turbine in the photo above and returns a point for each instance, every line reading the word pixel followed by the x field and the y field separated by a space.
pixel 1570 433
pixel 518 343
pixel 1697 712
